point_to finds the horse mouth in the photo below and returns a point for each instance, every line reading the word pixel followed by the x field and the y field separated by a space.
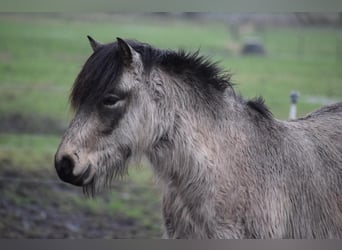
pixel 85 178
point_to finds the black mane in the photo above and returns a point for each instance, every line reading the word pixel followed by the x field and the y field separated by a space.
pixel 99 72
pixel 207 73
pixel 105 66
pixel 258 104
pixel 180 62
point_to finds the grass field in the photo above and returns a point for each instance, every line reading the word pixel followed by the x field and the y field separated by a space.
pixel 40 56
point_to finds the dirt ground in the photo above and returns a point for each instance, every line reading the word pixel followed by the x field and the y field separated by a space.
pixel 45 208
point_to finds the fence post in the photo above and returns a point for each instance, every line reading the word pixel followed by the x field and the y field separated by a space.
pixel 293 109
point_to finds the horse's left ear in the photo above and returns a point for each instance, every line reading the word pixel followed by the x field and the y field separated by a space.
pixel 95 45
pixel 126 51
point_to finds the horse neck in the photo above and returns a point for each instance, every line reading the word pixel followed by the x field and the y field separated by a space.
pixel 193 154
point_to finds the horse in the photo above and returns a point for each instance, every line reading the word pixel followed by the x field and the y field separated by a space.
pixel 226 167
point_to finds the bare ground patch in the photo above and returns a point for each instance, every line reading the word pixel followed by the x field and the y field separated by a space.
pixel 30 208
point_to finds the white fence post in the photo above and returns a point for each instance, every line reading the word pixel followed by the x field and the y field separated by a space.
pixel 293 109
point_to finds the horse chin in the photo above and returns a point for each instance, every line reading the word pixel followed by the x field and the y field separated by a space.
pixel 101 178
pixel 89 188
pixel 88 176
pixel 89 181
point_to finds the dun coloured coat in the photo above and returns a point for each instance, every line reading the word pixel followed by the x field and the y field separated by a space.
pixel 227 168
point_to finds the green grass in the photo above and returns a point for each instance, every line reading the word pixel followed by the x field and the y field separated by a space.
pixel 27 152
pixel 275 78
pixel 40 57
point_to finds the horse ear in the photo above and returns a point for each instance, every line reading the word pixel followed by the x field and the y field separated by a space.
pixel 126 51
pixel 94 44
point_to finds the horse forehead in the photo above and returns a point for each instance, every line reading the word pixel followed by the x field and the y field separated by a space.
pixel 128 79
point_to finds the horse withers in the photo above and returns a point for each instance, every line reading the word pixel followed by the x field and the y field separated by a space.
pixel 227 168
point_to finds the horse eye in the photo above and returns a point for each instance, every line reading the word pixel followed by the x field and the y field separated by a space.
pixel 110 100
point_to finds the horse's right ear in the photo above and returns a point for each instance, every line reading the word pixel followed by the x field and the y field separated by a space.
pixel 95 45
pixel 126 51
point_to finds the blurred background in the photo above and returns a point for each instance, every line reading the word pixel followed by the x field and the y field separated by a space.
pixel 41 54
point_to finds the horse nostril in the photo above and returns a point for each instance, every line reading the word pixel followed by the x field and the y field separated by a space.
pixel 64 167
pixel 67 164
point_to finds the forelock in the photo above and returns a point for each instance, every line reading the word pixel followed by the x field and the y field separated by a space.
pixel 98 75
pixel 104 68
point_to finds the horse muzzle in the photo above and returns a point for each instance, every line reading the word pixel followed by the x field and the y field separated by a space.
pixel 66 167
